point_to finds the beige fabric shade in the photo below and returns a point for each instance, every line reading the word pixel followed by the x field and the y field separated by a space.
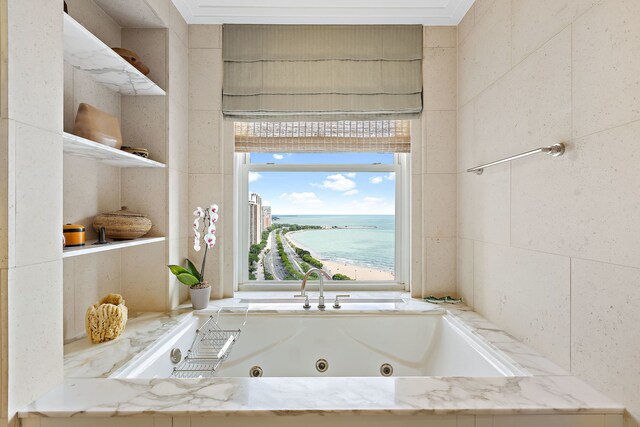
pixel 322 72
pixel 381 136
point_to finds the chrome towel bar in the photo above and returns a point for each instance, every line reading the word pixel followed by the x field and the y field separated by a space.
pixel 554 150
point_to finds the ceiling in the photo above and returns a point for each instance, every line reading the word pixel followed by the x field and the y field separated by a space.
pixel 426 12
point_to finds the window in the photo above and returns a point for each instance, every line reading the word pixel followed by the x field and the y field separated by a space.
pixel 345 213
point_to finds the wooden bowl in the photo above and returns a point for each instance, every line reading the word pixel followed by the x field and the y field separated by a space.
pixel 132 58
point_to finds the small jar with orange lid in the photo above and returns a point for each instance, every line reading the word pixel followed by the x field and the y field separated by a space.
pixel 74 235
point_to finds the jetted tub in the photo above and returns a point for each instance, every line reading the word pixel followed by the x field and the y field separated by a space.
pixel 346 344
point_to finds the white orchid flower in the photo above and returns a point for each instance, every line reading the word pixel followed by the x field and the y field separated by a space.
pixel 199 213
pixel 210 240
pixel 214 208
pixel 214 217
pixel 211 229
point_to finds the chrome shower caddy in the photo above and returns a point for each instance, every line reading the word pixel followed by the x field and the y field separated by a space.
pixel 210 347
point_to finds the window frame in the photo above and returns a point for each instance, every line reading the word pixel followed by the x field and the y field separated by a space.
pixel 400 166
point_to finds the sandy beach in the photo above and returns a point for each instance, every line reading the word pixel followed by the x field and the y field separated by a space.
pixel 355 272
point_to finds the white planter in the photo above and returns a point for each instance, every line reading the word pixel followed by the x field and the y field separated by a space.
pixel 200 297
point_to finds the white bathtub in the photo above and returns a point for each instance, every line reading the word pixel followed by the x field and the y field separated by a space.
pixel 353 345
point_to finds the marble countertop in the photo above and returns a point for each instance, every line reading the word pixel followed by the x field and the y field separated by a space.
pixel 549 389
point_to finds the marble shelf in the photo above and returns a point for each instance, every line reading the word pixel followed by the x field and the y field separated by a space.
pixel 86 52
pixel 81 147
pixel 90 248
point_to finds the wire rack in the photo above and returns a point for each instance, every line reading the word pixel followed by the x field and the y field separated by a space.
pixel 210 347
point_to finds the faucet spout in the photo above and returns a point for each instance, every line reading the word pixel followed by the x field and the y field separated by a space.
pixel 309 272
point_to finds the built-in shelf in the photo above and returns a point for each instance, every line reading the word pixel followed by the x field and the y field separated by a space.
pixel 86 52
pixel 82 147
pixel 90 248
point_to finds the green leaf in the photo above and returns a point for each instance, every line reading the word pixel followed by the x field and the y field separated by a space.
pixel 188 279
pixel 176 269
pixel 193 270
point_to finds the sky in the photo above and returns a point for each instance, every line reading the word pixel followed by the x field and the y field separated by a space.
pixel 324 193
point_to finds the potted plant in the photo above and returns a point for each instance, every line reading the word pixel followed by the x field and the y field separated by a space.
pixel 199 289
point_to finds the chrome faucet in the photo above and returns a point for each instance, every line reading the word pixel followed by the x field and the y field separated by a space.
pixel 303 287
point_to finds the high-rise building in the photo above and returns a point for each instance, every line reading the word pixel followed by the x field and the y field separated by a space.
pixel 266 217
pixel 255 218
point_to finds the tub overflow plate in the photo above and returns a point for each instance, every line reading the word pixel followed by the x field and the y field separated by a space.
pixel 176 355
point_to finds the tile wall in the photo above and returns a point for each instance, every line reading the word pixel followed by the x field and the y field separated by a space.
pixel 548 248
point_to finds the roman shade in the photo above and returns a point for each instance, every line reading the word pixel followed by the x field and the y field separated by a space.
pixel 381 136
pixel 322 72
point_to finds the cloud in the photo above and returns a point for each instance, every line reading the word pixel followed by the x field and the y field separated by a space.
pixel 350 193
pixel 338 182
pixel 278 156
pixel 304 198
pixel 391 176
pixel 254 176
pixel 373 200
pixel 350 175
pixel 375 180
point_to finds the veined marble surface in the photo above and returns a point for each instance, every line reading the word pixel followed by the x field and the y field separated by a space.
pixel 83 359
pixel 86 52
pixel 549 390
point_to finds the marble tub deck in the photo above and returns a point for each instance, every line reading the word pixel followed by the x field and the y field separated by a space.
pixel 88 392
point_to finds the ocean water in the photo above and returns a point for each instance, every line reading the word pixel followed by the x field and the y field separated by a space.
pixel 373 248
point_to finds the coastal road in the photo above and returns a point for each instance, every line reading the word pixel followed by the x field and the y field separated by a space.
pixel 293 256
pixel 273 261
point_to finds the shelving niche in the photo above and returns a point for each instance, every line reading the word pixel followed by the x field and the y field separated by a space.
pixel 98 178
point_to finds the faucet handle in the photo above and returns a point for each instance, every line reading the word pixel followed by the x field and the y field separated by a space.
pixel 306 304
pixel 336 303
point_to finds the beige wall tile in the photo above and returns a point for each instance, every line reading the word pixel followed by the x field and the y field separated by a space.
pixel 179 209
pixel 485 54
pixel 68 299
pixel 605 336
pixel 204 142
pixel 467 151
pixel 38 192
pixel 90 188
pixel 417 241
pixel 439 78
pixel 161 8
pixel 144 277
pixel 484 205
pixel 606 57
pixel 34 298
pixel 144 190
pixel 583 204
pixel 4 192
pixel 440 141
pixel 466 24
pixel 94 19
pixel 440 37
pixel 534 23
pixel 151 45
pixel 33 88
pixel 205 36
pixel 528 107
pixel 439 205
pixel 464 270
pixel 177 24
pixel 482 7
pixel 179 75
pixel 205 79
pixel 418 144
pixel 144 124
pixel 527 293
pixel 94 276
pixel 440 266
pixel 178 251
